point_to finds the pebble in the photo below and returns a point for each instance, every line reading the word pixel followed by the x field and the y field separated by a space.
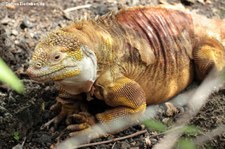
pixel 8 115
pixel 189 1
pixel 2 109
pixel 16 42
pixel 14 32
pixel 125 145
pixel 26 24
pixel 148 141
pixel 7 20
pixel 165 120
pixel 154 141
pixel 142 126
pixel 34 35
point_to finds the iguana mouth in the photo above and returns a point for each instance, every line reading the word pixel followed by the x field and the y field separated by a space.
pixel 62 72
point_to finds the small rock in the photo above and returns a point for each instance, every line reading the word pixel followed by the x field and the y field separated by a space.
pixel 142 126
pixel 133 143
pixel 163 2
pixel 102 9
pixel 165 120
pixel 148 141
pixel 14 32
pixel 2 109
pixel 153 141
pixel 26 24
pixel 125 145
pixel 10 6
pixel 188 2
pixel 171 109
pixel 34 35
pixel 16 42
pixel 208 1
pixel 205 1
pixel 8 115
pixel 7 20
pixel 135 2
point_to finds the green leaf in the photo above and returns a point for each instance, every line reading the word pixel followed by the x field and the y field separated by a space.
pixel 16 135
pixel 186 144
pixel 155 125
pixel 9 78
pixel 191 130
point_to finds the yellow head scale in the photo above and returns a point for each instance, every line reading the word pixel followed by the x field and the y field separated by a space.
pixel 56 57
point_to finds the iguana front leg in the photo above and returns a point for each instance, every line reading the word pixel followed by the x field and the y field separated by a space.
pixel 125 96
pixel 65 106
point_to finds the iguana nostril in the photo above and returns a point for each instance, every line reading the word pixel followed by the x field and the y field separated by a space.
pixel 38 65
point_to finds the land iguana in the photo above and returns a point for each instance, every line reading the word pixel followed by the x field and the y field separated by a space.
pixel 130 59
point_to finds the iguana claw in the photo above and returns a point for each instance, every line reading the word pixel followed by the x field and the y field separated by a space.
pixel 57 119
pixel 82 120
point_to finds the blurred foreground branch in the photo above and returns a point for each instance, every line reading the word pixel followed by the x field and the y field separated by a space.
pixel 199 97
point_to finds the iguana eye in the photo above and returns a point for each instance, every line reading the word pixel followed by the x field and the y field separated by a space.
pixel 56 56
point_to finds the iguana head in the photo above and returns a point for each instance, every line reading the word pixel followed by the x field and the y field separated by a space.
pixel 59 56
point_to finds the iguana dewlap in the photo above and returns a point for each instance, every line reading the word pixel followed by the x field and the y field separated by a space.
pixel 136 57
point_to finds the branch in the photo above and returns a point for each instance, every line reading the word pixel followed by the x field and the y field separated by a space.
pixel 114 140
pixel 76 8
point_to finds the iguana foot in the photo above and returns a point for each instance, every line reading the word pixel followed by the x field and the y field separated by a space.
pixel 57 119
pixel 65 108
pixel 83 121
pixel 56 107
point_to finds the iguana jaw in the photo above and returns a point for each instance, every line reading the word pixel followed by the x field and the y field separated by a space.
pixel 69 70
pixel 52 74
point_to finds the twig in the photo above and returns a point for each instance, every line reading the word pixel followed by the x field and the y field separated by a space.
pixel 113 140
pixel 24 140
pixel 113 145
pixel 76 8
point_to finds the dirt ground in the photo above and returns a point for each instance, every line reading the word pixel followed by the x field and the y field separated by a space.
pixel 22 115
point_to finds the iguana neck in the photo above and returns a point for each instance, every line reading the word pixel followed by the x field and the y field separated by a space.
pixel 102 42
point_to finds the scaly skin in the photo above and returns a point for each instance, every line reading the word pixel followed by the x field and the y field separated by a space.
pixel 136 57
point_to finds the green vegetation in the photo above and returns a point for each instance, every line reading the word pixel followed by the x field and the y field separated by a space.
pixel 191 130
pixel 16 135
pixel 185 142
pixel 9 78
pixel 155 125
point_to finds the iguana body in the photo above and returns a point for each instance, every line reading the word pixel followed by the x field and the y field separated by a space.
pixel 139 56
